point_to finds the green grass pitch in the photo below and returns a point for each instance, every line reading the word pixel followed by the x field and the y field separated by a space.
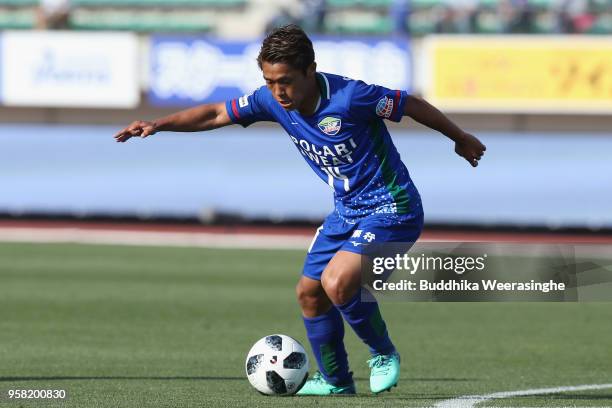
pixel 168 327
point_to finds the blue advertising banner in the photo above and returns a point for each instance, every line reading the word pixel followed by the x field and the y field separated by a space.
pixel 190 70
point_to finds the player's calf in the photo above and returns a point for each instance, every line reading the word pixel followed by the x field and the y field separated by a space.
pixel 325 332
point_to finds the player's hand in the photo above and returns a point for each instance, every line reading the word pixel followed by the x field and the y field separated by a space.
pixel 470 148
pixel 138 128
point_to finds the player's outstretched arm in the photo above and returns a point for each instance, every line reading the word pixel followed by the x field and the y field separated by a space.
pixel 466 145
pixel 203 117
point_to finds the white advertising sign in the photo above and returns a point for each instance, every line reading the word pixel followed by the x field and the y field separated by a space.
pixel 69 69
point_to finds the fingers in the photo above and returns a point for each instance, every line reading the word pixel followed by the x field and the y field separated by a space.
pixel 146 131
pixel 125 136
pixel 478 151
pixel 477 155
pixel 475 158
pixel 122 136
pixel 127 133
pixel 136 129
pixel 471 149
pixel 472 159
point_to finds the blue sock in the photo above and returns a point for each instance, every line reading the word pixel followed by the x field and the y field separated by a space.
pixel 326 336
pixel 367 322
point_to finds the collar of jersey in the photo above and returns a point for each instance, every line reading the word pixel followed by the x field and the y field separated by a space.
pixel 316 109
pixel 323 85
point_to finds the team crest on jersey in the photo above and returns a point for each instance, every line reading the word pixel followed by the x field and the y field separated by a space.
pixel 330 126
pixel 384 108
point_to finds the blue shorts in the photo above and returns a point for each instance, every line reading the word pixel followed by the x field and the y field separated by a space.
pixel 335 235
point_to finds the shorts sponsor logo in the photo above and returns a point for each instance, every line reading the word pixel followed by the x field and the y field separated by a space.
pixel 364 235
pixel 368 236
pixel 330 125
pixel 243 101
pixel 384 108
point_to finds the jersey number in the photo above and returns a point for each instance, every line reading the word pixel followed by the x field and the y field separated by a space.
pixel 334 173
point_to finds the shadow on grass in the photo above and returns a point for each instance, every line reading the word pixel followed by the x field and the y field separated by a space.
pixel 433 379
pixel 62 378
pixel 186 378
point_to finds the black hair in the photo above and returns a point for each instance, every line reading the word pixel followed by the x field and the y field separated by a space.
pixel 289 45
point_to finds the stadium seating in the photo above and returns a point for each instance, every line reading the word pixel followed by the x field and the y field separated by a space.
pixel 17 14
pixel 367 26
pixel 159 3
pixel 372 16
pixel 423 17
pixel 602 25
pixel 17 19
pixel 21 3
pixel 129 15
pixel 141 21
pixel 149 15
pixel 358 3
pixel 360 17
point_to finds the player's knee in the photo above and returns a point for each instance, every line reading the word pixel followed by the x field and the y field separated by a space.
pixel 310 299
pixel 301 293
pixel 339 285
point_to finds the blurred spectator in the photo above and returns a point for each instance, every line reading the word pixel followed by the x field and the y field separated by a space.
pixel 447 20
pixel 580 18
pixel 313 15
pixel 53 14
pixel 399 10
pixel 464 16
pixel 422 17
pixel 522 17
pixel 566 9
pixel 284 17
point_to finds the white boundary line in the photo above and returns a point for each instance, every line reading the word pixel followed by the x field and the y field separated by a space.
pixel 469 401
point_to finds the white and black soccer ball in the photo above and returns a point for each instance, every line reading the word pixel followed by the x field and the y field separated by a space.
pixel 277 365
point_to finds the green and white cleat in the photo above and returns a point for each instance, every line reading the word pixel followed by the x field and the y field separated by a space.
pixel 385 370
pixel 317 385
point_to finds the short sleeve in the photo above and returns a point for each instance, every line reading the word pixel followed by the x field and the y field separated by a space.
pixel 249 109
pixel 373 101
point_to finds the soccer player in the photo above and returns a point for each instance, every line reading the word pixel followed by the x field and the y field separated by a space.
pixel 336 123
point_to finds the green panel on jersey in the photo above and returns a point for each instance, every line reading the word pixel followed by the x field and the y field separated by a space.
pixel 400 196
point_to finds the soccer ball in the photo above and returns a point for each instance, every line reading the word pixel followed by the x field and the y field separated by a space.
pixel 277 365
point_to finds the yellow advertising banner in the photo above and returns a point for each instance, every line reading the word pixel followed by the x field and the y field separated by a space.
pixel 520 74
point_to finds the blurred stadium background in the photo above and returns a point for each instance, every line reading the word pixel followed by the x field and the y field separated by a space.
pixel 532 78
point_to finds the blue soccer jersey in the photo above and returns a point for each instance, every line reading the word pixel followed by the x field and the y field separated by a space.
pixel 346 143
